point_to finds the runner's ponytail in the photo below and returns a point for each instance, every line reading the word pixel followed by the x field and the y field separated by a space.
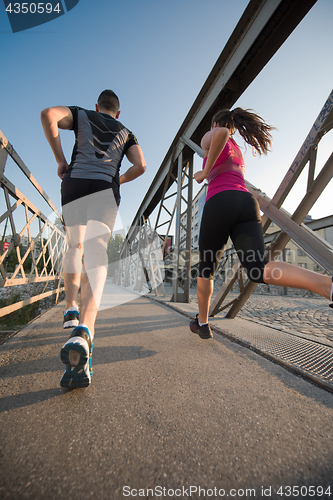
pixel 254 130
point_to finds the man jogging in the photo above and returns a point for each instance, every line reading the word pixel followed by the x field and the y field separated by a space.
pixel 90 199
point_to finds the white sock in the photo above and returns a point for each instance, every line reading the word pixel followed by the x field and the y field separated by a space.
pixel 84 326
pixel 202 324
pixel 70 309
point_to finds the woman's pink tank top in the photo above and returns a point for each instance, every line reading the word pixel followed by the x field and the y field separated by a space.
pixel 227 172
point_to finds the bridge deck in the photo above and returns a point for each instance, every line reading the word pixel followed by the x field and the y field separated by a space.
pixel 165 409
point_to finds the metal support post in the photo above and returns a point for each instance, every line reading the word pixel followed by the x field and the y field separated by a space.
pixel 182 253
pixel 177 231
pixel 3 155
pixel 187 278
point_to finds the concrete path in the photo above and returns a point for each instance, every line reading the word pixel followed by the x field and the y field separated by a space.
pixel 167 414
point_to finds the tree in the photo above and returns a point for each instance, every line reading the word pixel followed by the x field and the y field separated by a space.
pixel 59 223
pixel 114 247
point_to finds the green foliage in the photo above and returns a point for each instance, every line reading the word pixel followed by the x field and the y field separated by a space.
pixel 114 247
pixel 40 265
pixel 11 261
pixel 21 316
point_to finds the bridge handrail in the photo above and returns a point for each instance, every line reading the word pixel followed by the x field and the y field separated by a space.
pixel 42 252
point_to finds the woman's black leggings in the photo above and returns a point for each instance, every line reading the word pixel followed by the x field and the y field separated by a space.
pixel 235 214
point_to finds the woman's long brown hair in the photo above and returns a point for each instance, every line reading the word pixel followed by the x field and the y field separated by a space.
pixel 254 130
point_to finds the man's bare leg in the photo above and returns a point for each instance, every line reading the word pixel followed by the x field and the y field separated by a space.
pixel 94 272
pixel 72 274
pixel 73 264
pixel 76 354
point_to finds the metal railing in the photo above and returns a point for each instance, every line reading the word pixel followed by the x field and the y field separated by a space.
pixel 31 251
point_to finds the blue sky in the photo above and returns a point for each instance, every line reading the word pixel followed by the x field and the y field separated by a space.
pixel 156 55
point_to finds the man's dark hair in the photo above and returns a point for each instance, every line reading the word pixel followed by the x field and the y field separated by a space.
pixel 108 101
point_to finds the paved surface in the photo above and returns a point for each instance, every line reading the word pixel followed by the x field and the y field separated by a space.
pixel 165 410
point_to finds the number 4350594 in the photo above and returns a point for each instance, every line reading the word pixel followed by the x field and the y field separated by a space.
pixel 304 491
pixel 33 8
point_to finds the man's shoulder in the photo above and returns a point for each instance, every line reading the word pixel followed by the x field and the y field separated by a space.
pixel 76 109
pixel 79 108
pixel 103 120
pixel 107 120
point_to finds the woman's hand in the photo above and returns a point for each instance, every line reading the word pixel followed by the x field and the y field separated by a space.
pixel 199 176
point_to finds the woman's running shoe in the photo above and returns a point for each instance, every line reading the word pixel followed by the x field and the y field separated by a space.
pixel 71 318
pixel 203 331
pixel 76 355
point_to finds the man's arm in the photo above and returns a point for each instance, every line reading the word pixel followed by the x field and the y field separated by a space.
pixel 53 119
pixel 135 156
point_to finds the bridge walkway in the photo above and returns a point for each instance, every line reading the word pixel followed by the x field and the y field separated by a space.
pixel 165 410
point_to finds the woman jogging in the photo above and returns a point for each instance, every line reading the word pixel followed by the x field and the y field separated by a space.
pixel 231 210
